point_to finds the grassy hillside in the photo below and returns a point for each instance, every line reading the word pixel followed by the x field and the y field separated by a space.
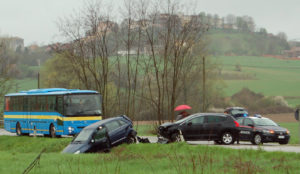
pixel 269 76
pixel 23 84
pixel 244 43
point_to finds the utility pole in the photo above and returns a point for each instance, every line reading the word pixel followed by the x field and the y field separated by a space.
pixel 297 118
pixel 38 83
pixel 39 63
pixel 203 83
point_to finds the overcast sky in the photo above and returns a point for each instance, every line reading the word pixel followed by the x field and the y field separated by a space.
pixel 34 20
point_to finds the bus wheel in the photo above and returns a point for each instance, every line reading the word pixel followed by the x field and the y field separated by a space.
pixel 18 129
pixel 52 131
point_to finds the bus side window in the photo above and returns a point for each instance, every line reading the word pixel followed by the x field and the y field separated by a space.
pixel 59 104
pixel 20 103
pixel 51 103
pixel 42 103
pixel 32 103
pixel 13 104
pixel 25 104
pixel 7 102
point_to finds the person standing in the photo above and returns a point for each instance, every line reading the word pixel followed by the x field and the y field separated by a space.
pixel 182 115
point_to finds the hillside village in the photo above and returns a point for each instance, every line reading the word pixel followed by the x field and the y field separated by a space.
pixel 215 24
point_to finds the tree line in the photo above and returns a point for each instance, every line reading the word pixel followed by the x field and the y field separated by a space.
pixel 154 61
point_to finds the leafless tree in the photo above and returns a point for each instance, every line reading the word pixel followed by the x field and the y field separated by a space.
pixel 5 81
pixel 143 66
pixel 90 36
pixel 170 37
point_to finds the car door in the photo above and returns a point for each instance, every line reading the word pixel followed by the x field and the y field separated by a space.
pixel 101 140
pixel 212 125
pixel 193 128
pixel 114 132
pixel 246 129
pixel 124 126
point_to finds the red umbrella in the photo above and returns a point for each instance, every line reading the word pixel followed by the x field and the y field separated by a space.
pixel 182 107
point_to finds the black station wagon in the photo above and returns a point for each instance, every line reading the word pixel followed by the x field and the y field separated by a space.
pixel 221 128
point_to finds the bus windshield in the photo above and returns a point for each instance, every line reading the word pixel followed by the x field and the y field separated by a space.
pixel 82 105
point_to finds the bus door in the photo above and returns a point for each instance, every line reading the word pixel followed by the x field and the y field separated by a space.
pixel 25 124
pixel 32 118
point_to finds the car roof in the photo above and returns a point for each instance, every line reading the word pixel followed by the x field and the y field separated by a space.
pixel 253 117
pixel 102 122
pixel 258 117
pixel 209 114
pixel 235 107
pixel 52 91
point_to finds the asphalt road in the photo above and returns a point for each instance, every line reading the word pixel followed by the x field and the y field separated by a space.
pixel 243 145
pixel 271 147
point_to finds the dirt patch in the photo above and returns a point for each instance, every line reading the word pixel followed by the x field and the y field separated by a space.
pixel 286 117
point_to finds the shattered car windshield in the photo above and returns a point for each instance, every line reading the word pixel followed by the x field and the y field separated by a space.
pixel 84 135
pixel 83 105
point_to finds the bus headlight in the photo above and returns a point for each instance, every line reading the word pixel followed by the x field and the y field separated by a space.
pixel 71 129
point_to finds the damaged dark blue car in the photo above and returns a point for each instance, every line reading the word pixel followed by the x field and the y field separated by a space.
pixel 102 135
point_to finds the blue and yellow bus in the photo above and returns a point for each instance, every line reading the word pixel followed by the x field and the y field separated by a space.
pixel 52 112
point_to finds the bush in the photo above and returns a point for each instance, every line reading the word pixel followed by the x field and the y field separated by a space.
pixel 257 103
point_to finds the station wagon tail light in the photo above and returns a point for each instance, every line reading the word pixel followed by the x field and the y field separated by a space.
pixel 237 124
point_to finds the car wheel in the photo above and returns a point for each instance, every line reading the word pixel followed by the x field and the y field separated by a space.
pixel 257 139
pixel 131 139
pixel 18 129
pixel 52 131
pixel 283 142
pixel 227 138
pixel 175 137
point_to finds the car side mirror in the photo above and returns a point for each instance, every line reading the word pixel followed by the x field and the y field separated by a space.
pixel 251 125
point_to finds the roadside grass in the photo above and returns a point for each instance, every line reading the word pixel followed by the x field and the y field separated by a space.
pixel 294 131
pixel 25 144
pixel 176 158
pixel 146 129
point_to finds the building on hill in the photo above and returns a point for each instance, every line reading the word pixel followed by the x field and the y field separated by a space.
pixel 293 52
pixel 13 43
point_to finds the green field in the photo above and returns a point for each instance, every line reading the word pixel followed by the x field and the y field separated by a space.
pixel 17 153
pixel 269 76
pixel 24 84
pixel 294 131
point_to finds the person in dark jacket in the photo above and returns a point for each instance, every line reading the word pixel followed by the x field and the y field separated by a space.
pixel 182 115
